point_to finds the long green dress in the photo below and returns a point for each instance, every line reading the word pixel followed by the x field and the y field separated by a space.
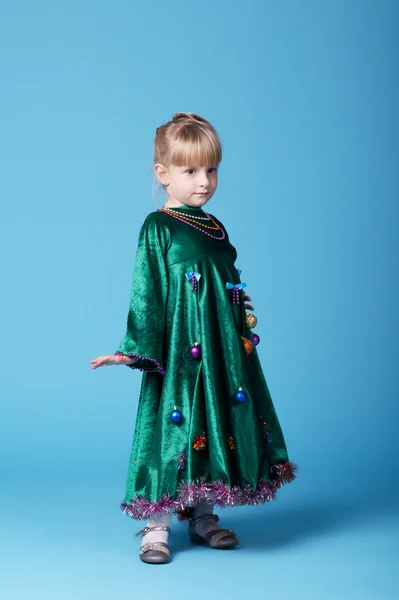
pixel 206 426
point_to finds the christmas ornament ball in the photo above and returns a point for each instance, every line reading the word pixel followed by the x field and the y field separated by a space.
pixel 250 320
pixel 248 345
pixel 176 416
pixel 240 395
pixel 195 350
pixel 256 339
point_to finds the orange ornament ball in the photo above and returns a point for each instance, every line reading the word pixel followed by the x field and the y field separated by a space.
pixel 248 345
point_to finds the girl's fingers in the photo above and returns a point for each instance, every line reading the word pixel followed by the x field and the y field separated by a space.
pixel 97 363
pixel 248 299
pixel 105 360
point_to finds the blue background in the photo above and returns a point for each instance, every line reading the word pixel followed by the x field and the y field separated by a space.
pixel 304 96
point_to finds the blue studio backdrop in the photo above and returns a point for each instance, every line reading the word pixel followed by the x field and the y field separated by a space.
pixel 304 96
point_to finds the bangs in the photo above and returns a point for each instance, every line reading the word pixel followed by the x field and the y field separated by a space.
pixel 195 146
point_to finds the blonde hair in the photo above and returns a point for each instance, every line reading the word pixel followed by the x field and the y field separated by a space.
pixel 187 139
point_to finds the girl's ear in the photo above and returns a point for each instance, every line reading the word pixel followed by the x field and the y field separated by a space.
pixel 161 173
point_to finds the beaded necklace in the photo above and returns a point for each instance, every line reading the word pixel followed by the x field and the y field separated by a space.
pixel 192 216
pixel 196 225
pixel 187 218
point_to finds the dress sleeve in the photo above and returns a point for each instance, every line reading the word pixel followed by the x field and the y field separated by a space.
pixel 145 329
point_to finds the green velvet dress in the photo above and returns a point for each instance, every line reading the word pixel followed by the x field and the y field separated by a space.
pixel 206 426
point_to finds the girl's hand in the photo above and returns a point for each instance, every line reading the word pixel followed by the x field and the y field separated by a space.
pixel 110 359
pixel 248 306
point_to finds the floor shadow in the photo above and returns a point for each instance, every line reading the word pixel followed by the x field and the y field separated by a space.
pixel 258 528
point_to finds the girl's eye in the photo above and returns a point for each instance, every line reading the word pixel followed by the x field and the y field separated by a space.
pixel 211 169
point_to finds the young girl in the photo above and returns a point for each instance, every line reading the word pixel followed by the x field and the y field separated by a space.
pixel 206 432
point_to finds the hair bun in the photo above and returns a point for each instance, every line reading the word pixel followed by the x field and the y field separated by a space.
pixel 180 116
pixel 187 137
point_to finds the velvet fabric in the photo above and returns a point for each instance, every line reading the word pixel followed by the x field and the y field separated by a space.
pixel 219 440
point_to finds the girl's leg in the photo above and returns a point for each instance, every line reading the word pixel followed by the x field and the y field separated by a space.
pixel 203 528
pixel 205 508
pixel 157 536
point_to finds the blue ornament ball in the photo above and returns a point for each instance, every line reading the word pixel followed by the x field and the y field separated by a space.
pixel 240 395
pixel 176 416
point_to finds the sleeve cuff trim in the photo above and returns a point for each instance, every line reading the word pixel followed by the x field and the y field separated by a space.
pixel 157 366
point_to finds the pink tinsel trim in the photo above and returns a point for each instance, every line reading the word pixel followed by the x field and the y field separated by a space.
pixel 283 473
pixel 221 494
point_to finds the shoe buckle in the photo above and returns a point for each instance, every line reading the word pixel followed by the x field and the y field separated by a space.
pixel 157 528
pixel 153 545
pixel 143 531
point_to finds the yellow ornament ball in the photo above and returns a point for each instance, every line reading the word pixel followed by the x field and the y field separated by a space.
pixel 250 320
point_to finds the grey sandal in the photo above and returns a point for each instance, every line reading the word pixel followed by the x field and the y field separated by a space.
pixel 221 539
pixel 155 553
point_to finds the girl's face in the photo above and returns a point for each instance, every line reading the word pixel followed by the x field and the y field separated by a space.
pixel 189 185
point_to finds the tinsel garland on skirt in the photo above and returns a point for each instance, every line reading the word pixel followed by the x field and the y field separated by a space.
pixel 221 494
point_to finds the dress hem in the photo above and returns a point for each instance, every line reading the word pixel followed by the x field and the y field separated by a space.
pixel 221 494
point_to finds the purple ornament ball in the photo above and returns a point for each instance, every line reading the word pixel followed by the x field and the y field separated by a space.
pixel 256 339
pixel 195 351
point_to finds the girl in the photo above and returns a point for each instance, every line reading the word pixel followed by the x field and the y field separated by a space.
pixel 206 431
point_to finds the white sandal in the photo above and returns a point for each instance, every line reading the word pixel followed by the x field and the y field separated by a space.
pixel 155 553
